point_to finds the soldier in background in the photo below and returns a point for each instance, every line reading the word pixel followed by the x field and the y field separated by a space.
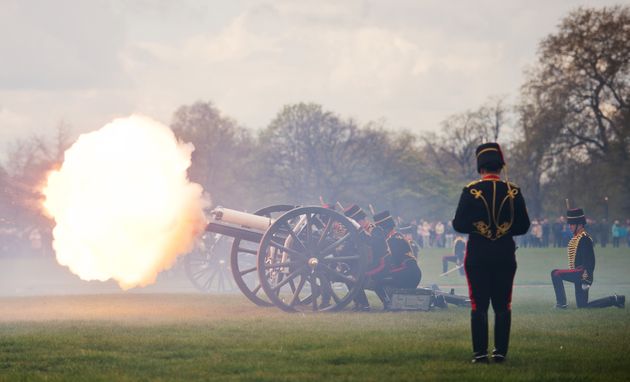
pixel 604 232
pixel 491 211
pixel 408 233
pixel 581 269
pixel 459 250
pixel 375 237
pixel 556 229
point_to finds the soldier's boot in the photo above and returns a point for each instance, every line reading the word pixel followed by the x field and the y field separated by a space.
pixel 382 295
pixel 479 329
pixel 502 324
pixel 616 300
pixel 361 303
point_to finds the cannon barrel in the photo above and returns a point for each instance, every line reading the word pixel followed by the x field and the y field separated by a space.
pixel 243 219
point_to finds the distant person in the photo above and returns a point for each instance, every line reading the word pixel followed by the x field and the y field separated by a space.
pixel 545 233
pixel 408 233
pixel 604 232
pixel 581 268
pixel 439 234
pixel 491 211
pixel 616 231
pixel 459 250
pixel 536 234
pixel 556 230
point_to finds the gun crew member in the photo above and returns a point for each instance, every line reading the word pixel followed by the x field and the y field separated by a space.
pixel 581 268
pixel 399 268
pixel 491 211
pixel 375 237
pixel 459 250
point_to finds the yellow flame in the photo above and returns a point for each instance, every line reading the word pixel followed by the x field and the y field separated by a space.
pixel 122 203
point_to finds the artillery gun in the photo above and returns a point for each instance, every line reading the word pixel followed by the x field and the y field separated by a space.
pixel 295 258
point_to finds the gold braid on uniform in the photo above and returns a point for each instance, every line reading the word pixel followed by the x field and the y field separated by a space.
pixel 572 248
pixel 483 228
pixel 503 228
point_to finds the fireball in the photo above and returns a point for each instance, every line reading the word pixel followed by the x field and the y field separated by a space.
pixel 122 203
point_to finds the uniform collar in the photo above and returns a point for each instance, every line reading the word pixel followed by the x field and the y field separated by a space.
pixel 578 232
pixel 490 177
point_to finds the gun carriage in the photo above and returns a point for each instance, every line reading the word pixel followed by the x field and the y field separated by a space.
pixel 295 258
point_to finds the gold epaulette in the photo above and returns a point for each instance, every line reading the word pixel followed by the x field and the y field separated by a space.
pixel 512 184
pixel 474 182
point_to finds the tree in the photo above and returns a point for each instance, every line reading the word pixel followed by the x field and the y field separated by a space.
pixel 308 152
pixel 578 98
pixel 222 149
pixel 453 150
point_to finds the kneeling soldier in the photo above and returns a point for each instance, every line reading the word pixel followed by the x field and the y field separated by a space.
pixel 581 268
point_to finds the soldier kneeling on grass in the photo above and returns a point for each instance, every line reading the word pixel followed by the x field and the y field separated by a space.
pixel 581 268
pixel 399 268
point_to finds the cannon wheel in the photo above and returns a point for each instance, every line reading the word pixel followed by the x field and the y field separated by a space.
pixel 243 260
pixel 311 258
pixel 207 267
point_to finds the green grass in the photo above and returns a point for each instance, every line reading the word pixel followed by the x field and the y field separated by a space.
pixel 195 337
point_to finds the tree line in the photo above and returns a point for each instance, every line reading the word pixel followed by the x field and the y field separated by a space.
pixel 567 135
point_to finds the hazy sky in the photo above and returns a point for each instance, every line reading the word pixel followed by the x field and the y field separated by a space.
pixel 409 62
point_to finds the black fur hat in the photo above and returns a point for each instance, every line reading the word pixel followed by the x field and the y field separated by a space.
pixel 489 154
pixel 385 221
pixel 355 212
pixel 576 216
pixel 398 246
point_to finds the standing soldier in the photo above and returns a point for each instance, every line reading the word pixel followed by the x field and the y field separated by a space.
pixel 491 211
pixel 581 268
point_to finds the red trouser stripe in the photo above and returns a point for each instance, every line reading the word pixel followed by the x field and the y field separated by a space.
pixel 473 304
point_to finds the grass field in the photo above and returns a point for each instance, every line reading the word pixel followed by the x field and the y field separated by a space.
pixel 133 336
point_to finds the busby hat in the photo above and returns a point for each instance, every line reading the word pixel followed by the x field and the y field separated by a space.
pixel 489 154
pixel 398 246
pixel 385 221
pixel 355 212
pixel 576 216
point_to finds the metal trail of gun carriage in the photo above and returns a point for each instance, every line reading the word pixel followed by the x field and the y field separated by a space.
pixel 294 258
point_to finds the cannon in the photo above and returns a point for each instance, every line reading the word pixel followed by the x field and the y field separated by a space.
pixel 208 265
pixel 295 258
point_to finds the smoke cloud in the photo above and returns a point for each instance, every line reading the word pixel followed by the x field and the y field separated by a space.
pixel 123 206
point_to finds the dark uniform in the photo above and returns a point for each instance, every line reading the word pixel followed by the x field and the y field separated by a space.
pixel 581 269
pixel 459 251
pixel 398 268
pixel 491 211
pixel 374 236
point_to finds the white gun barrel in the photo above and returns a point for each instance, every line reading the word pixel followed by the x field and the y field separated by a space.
pixel 242 218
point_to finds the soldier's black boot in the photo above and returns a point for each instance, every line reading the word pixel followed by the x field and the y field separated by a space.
pixel 361 303
pixel 615 300
pixel 502 324
pixel 382 295
pixel 479 329
pixel 620 301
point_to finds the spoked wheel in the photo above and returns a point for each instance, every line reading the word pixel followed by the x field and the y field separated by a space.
pixel 311 258
pixel 243 260
pixel 207 266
